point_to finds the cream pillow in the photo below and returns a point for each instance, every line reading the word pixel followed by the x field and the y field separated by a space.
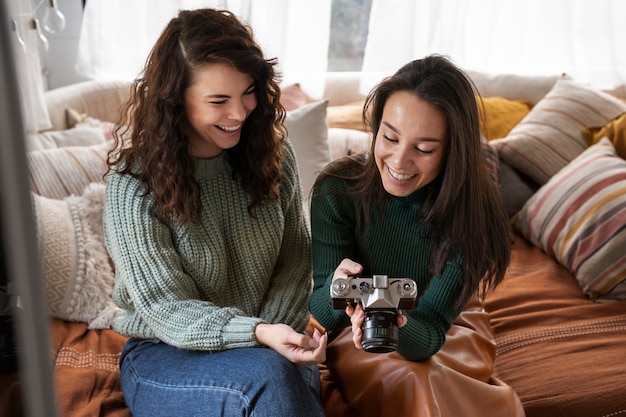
pixel 57 173
pixel 550 136
pixel 308 132
pixel 579 218
pixel 77 136
pixel 78 275
pixel 344 142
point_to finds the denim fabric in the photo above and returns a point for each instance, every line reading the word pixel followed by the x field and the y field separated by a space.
pixel 161 380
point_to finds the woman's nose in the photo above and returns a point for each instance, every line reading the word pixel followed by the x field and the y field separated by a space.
pixel 236 110
pixel 401 155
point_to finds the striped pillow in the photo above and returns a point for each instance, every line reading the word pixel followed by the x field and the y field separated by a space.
pixel 579 218
pixel 550 136
pixel 58 173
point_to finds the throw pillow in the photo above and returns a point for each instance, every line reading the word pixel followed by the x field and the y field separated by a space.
pixel 579 218
pixel 78 119
pixel 550 136
pixel 308 132
pixel 80 135
pixel 78 275
pixel 292 96
pixel 58 173
pixel 347 116
pixel 615 130
pixel 515 189
pixel 502 114
pixel 343 142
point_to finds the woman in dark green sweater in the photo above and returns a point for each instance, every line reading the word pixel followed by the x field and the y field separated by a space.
pixel 419 205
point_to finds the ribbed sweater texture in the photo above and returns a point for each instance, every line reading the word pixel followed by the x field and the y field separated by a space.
pixel 394 244
pixel 206 285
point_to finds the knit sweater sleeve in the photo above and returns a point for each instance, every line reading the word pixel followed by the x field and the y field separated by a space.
pixel 159 298
pixel 290 288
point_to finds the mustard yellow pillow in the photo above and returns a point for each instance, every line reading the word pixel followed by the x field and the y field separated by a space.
pixel 501 114
pixel 615 130
pixel 346 116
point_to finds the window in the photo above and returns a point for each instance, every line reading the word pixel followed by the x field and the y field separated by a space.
pixel 348 34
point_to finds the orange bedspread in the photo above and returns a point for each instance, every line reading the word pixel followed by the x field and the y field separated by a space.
pixel 562 354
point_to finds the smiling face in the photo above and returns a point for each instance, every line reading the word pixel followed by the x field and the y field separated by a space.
pixel 410 144
pixel 217 102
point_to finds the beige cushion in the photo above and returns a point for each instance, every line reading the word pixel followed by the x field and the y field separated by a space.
pixel 579 218
pixel 78 276
pixel 58 173
pixel 530 88
pixel 550 136
pixel 308 132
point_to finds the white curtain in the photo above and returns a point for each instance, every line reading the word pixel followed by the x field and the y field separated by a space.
pixel 586 39
pixel 26 48
pixel 117 35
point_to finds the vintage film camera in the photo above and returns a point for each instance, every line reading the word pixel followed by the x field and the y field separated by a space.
pixel 381 297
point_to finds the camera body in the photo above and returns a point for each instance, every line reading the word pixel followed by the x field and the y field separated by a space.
pixel 381 297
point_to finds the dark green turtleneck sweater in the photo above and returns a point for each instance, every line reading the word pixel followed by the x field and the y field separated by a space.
pixel 393 244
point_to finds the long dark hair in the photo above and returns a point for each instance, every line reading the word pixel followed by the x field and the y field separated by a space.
pixel 463 208
pixel 157 150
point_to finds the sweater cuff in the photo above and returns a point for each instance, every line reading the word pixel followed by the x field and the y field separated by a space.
pixel 239 332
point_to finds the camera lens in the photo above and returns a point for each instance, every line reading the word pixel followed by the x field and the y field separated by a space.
pixel 380 331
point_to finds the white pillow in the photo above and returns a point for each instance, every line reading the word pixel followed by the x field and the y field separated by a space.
pixel 307 130
pixel 78 274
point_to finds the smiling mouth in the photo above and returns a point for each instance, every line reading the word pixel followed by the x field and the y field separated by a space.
pixel 399 176
pixel 229 129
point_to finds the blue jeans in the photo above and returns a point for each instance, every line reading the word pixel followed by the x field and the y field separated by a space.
pixel 161 380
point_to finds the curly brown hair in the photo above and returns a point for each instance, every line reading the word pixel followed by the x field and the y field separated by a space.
pixel 149 141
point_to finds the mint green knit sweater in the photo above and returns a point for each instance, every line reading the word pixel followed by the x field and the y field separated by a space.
pixel 393 244
pixel 206 286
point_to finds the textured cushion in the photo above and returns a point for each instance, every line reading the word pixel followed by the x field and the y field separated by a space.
pixel 550 136
pixel 58 173
pixel 579 218
pixel 344 142
pixel 308 132
pixel 615 130
pixel 78 275
pixel 502 115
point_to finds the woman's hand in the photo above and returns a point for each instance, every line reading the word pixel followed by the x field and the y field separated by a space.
pixel 347 267
pixel 357 317
pixel 299 348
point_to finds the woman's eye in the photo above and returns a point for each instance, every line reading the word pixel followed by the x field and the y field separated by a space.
pixel 390 139
pixel 426 151
pixel 217 102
